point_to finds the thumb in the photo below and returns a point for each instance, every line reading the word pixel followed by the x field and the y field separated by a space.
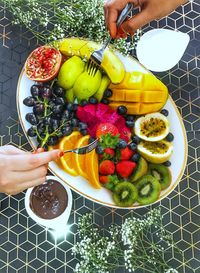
pixel 136 22
pixel 11 150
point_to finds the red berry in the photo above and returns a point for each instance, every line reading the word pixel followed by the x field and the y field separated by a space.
pixel 109 151
pixel 103 179
pixel 126 154
pixel 105 128
pixel 106 167
pixel 125 168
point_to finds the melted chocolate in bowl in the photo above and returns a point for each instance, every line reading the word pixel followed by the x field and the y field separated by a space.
pixel 49 200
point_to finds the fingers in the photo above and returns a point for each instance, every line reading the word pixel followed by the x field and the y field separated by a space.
pixel 136 22
pixel 12 150
pixel 30 175
pixel 23 186
pixel 32 161
pixel 112 10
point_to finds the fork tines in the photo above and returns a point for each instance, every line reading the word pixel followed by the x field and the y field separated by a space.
pixel 93 65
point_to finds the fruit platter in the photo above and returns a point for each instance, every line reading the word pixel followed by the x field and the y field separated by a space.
pixel 142 147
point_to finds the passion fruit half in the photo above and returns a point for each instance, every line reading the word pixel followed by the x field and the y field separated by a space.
pixel 43 64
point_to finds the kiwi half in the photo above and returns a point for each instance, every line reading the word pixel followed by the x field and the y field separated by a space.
pixel 148 190
pixel 125 194
pixel 161 173
pixel 141 169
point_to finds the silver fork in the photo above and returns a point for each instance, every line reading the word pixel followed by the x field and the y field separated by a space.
pixel 85 149
pixel 96 57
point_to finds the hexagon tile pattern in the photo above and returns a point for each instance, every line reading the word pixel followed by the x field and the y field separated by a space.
pixel 27 247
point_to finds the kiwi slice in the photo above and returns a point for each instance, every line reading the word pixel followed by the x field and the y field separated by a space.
pixel 125 194
pixel 140 170
pixel 161 173
pixel 148 190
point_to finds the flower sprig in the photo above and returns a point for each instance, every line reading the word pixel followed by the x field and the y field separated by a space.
pixel 138 244
pixel 50 20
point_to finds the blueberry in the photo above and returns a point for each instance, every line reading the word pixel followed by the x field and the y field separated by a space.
pixel 121 110
pixel 75 107
pixel 167 163
pixel 130 118
pixel 83 102
pixel 69 106
pixel 91 139
pixel 130 124
pixel 135 139
pixel 122 144
pixel 105 101
pixel 99 150
pixel 29 101
pixel 133 146
pixel 74 122
pixel 108 93
pixel 82 126
pixel 84 132
pixel 135 157
pixel 93 100
pixel 35 91
pixel 31 118
pixel 170 137
pixel 165 112
pixel 31 132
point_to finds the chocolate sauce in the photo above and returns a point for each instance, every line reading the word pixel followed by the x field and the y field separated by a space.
pixel 49 200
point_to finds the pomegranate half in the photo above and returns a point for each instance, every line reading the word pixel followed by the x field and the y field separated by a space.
pixel 43 64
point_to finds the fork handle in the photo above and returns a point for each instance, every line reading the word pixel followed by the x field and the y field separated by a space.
pixel 128 8
pixel 124 13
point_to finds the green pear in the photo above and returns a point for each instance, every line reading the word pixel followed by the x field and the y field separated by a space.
pixel 104 84
pixel 70 71
pixel 69 95
pixel 86 85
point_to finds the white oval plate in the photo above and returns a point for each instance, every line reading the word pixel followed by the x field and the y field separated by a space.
pixel 79 184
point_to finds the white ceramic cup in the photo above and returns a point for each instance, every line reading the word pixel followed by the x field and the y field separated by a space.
pixel 57 222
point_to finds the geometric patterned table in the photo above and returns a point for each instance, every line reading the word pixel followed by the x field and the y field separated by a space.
pixel 27 247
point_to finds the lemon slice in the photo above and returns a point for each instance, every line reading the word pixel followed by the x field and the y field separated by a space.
pixel 80 159
pixel 155 152
pixel 152 127
pixel 68 160
pixel 92 169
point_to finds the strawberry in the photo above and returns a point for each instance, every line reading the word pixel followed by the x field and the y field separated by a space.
pixel 104 179
pixel 106 167
pixel 126 154
pixel 106 128
pixel 125 168
pixel 110 152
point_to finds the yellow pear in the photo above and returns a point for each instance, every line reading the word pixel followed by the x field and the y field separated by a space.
pixel 69 72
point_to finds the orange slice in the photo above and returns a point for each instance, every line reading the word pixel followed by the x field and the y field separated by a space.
pixel 68 160
pixel 92 169
pixel 80 159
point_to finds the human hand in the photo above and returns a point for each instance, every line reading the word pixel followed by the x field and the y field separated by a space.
pixel 20 170
pixel 150 10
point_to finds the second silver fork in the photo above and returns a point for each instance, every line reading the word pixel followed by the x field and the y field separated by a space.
pixel 96 57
